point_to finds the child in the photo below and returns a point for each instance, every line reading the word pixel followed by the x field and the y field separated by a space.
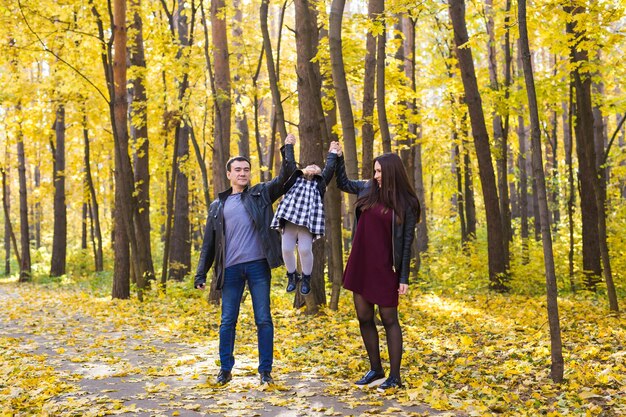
pixel 300 217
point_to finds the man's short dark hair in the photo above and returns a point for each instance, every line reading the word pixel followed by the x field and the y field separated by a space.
pixel 236 158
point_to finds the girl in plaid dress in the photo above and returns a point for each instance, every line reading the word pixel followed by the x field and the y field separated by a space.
pixel 300 218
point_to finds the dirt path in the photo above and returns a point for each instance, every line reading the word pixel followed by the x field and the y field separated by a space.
pixel 133 372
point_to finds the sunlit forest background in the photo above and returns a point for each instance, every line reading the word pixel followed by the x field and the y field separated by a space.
pixel 56 105
pixel 117 118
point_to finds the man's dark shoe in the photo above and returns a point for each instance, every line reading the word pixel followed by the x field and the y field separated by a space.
pixel 390 383
pixel 305 286
pixel 292 281
pixel 371 378
pixel 266 377
pixel 224 377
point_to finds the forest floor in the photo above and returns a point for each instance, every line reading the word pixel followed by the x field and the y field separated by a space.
pixel 101 369
pixel 68 349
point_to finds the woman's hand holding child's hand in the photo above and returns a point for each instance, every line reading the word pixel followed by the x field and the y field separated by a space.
pixel 335 147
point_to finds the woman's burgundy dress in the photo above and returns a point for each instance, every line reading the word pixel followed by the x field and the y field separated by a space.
pixel 369 271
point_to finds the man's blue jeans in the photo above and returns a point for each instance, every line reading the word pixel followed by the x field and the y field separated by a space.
pixel 258 275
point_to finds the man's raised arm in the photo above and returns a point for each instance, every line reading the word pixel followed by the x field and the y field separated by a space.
pixel 276 186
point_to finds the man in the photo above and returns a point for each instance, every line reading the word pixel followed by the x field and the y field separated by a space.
pixel 240 246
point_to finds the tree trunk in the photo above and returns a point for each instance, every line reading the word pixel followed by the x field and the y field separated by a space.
pixel 200 156
pixel 169 212
pixel 514 197
pixel 344 104
pixel 139 135
pixel 548 256
pixel 622 146
pixel 341 89
pixel 599 134
pixel 470 201
pixel 312 128
pixel 586 171
pixel 25 265
pixel 257 130
pixel 180 252
pixel 402 140
pixel 83 225
pixel 125 210
pixel 498 135
pixel 93 201
pixel 8 229
pixel 535 202
pixel 271 72
pixel 335 267
pixel 374 11
pixel 523 188
pixel 332 208
pixel 123 234
pixel 458 196
pixel 415 134
pixel 214 295
pixel 222 103
pixel 202 167
pixel 381 42
pixel 37 211
pixel 600 140
pixel 241 120
pixel 587 157
pixel 523 176
pixel 497 260
pixel 332 198
pixel 124 231
pixel 121 260
pixel 59 239
pixel 274 151
pixel 552 166
pixel 9 235
pixel 567 120
pixel 507 212
pixel 461 163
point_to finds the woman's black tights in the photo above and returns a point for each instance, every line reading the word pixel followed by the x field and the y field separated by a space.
pixel 369 333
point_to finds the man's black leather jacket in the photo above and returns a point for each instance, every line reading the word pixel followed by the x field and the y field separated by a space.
pixel 257 201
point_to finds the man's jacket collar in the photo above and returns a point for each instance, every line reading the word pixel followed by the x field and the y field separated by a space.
pixel 224 194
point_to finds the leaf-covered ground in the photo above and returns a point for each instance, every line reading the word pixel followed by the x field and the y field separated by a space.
pixel 67 349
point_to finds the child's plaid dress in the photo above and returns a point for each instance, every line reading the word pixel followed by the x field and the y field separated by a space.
pixel 302 205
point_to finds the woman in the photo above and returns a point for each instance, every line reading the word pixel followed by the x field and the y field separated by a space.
pixel 377 271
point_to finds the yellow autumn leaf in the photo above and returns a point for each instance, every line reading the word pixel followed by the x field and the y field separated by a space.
pixel 587 394
pixel 467 341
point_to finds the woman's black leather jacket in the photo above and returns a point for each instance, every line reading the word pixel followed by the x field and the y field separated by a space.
pixel 403 234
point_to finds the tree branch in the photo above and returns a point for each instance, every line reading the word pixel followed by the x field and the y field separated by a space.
pixel 46 49
pixel 608 147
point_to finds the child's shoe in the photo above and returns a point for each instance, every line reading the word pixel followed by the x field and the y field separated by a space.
pixel 292 281
pixel 305 287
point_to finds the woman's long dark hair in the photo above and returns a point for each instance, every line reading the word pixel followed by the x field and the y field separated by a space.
pixel 396 191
